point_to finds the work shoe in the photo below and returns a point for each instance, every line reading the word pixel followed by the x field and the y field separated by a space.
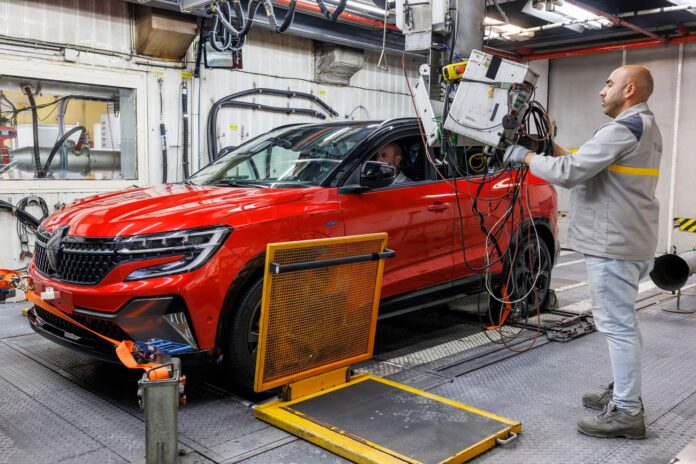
pixel 598 401
pixel 612 423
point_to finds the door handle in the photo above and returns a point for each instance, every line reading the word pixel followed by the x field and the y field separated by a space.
pixel 438 206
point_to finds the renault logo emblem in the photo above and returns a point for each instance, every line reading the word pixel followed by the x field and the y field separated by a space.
pixel 54 246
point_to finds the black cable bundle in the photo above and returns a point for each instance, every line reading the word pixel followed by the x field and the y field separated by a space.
pixel 35 131
pixel 26 222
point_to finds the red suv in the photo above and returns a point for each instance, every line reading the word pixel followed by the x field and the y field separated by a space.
pixel 184 262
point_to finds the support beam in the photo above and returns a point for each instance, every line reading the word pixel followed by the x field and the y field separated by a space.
pixel 610 48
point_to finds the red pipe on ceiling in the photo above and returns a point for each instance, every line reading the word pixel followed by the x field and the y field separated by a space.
pixel 615 19
pixel 503 54
pixel 609 48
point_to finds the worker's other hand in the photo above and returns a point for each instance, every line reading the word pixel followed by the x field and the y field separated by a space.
pixel 558 150
pixel 514 155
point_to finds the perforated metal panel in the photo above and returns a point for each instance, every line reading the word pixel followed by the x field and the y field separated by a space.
pixel 320 319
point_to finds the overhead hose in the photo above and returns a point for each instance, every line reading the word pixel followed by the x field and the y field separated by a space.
pixel 202 38
pixel 229 100
pixel 332 15
pixel 287 20
pixel 59 144
pixel 35 132
pixel 163 134
pixel 185 124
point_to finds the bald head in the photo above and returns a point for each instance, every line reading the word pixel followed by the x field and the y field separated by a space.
pixel 640 77
pixel 625 87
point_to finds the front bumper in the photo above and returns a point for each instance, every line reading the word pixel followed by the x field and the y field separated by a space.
pixel 162 318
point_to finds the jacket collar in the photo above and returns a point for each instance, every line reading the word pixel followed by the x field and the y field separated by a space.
pixel 637 108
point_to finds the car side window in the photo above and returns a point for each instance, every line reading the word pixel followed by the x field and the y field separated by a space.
pixel 406 155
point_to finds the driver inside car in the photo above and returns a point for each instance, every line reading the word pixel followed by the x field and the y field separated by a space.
pixel 392 154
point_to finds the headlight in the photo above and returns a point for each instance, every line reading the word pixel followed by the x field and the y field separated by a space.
pixel 196 246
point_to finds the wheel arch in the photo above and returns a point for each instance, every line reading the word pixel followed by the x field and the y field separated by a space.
pixel 250 272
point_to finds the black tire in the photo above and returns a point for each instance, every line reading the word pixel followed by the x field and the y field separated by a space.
pixel 243 336
pixel 521 275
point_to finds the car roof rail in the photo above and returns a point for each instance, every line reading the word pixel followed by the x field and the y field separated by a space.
pixel 393 120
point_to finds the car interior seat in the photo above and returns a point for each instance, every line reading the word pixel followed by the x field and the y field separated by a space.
pixel 412 163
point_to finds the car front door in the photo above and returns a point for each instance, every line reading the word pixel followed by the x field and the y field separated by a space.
pixel 418 216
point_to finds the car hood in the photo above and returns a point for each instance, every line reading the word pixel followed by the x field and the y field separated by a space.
pixel 163 208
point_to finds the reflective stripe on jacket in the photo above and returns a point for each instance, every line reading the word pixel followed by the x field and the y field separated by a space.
pixel 613 212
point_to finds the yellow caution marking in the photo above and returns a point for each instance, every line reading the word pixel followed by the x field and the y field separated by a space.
pixel 633 171
pixel 688 224
pixel 685 224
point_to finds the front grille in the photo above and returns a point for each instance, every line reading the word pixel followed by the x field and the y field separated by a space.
pixel 104 327
pixel 83 261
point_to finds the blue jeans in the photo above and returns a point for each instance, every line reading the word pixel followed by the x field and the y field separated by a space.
pixel 614 288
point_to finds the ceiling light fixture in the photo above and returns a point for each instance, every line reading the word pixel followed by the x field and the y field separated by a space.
pixel 565 12
pixel 495 29
pixel 685 3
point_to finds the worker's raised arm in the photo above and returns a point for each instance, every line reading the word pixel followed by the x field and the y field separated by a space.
pixel 608 144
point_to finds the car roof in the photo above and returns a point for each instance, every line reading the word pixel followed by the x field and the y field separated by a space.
pixel 377 123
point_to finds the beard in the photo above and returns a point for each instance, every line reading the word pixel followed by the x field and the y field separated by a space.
pixel 611 108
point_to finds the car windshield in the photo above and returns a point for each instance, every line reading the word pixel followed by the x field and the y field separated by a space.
pixel 287 157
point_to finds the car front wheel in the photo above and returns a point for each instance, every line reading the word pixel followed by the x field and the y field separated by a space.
pixel 244 336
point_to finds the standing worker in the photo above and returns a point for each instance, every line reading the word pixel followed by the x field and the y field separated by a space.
pixel 613 222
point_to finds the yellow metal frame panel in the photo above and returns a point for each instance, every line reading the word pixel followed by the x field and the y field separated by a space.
pixel 360 450
pixel 260 384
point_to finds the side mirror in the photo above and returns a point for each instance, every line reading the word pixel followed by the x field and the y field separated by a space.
pixel 376 174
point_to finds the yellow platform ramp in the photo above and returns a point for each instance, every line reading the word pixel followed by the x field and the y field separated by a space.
pixel 318 316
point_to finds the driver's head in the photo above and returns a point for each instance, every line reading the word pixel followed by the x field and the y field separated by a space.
pixel 391 154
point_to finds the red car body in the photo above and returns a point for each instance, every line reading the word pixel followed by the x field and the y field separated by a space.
pixel 421 218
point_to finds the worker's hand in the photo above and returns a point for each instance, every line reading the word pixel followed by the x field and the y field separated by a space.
pixel 558 150
pixel 514 155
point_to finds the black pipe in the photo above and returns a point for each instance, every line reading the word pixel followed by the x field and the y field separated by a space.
pixel 332 15
pixel 276 268
pixel 35 132
pixel 226 101
pixel 163 142
pixel 289 17
pixel 59 144
pixel 185 124
pixel 201 48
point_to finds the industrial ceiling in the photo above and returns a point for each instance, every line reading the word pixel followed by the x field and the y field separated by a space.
pixel 636 24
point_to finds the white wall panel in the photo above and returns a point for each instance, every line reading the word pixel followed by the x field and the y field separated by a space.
pixel 101 24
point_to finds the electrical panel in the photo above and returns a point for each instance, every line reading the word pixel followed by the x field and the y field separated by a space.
pixel 487 106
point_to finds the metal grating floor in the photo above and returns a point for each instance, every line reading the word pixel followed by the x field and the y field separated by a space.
pixel 60 407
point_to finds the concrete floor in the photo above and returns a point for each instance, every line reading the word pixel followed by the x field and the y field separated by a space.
pixel 61 407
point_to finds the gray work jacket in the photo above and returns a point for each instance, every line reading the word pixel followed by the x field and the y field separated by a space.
pixel 613 212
